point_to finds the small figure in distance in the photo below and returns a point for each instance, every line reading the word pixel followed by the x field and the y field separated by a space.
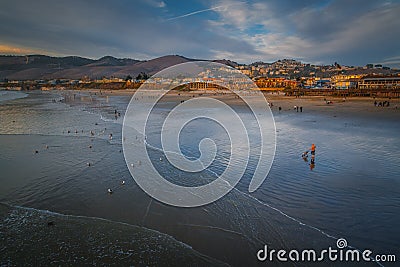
pixel 312 165
pixel 312 149
pixel 305 156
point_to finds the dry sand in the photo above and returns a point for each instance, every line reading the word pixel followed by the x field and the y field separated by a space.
pixel 350 106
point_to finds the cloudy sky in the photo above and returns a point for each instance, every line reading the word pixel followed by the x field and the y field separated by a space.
pixel 352 32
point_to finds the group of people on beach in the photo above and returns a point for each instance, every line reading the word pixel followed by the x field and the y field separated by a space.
pixel 381 104
pixel 297 108
pixel 305 156
pixel 117 114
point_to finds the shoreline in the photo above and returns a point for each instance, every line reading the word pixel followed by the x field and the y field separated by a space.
pixel 361 106
pixel 349 106
pixel 344 174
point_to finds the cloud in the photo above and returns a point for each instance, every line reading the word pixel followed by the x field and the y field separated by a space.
pixel 350 32
pixel 13 50
pixel 154 3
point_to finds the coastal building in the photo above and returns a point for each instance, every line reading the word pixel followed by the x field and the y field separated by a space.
pixel 379 82
pixel 322 83
pixel 210 84
pixel 309 82
pixel 275 83
pixel 345 81
pixel 246 72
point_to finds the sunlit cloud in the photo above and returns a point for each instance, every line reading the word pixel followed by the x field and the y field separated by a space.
pixel 14 50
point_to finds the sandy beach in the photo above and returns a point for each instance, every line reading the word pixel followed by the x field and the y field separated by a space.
pixel 357 106
pixel 351 190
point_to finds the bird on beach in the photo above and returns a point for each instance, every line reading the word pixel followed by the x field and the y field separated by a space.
pixel 122 182
pixel 109 190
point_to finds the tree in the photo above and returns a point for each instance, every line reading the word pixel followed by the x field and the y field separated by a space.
pixel 142 76
pixel 337 65
pixel 128 78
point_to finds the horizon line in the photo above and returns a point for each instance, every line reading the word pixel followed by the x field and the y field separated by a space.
pixel 190 58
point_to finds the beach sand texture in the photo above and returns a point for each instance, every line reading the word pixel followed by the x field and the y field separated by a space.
pixel 352 191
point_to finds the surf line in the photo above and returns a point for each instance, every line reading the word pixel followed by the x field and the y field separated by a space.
pixel 298 221
pixel 295 219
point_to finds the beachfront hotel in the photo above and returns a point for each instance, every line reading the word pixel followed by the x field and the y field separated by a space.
pixel 379 82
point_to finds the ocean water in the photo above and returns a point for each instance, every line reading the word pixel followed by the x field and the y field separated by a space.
pixel 54 170
pixel 10 95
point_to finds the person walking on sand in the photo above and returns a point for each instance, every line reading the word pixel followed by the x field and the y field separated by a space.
pixel 301 109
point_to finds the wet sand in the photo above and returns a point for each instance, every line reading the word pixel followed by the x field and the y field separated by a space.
pixel 349 193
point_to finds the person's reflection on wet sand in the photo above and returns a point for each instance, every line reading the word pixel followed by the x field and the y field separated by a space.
pixel 312 163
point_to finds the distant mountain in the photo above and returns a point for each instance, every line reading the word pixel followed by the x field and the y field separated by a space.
pixel 33 67
pixel 112 61
pixel 227 62
pixel 152 66
pixel 37 66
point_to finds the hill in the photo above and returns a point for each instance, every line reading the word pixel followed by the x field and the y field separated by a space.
pixel 34 67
